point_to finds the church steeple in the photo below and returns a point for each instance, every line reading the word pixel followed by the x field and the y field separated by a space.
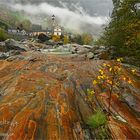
pixel 53 20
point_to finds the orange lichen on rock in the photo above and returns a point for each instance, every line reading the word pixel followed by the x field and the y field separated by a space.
pixel 44 98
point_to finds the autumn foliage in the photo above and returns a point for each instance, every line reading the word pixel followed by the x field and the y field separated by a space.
pixel 111 80
pixel 123 32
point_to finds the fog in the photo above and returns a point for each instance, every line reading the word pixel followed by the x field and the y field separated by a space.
pixel 73 17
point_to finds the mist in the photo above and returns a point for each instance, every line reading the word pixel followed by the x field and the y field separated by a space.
pixel 73 20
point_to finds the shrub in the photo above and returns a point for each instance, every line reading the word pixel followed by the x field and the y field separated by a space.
pixel 96 120
pixel 3 35
pixel 56 38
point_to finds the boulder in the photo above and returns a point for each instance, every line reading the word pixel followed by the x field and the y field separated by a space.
pixel 4 55
pixel 11 44
pixel 50 42
pixel 43 38
pixel 88 46
pixel 82 50
pixel 90 55
pixel 73 50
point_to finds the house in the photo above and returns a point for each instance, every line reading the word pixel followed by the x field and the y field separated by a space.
pixel 12 30
pixel 37 33
pixel 15 31
pixel 23 32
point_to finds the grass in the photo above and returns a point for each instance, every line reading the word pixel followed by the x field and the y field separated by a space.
pixel 96 120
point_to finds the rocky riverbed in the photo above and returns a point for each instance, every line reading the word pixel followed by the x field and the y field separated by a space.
pixel 43 94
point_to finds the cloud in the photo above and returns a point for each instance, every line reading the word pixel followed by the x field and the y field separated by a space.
pixel 74 20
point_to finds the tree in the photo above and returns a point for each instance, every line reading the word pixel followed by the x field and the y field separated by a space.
pixel 66 39
pixel 26 24
pixel 78 39
pixel 124 29
pixel 56 38
pixel 87 39
pixel 3 35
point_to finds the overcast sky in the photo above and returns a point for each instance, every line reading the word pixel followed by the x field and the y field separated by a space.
pixel 93 7
pixel 78 15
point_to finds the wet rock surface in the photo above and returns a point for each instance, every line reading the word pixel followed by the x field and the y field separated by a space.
pixel 44 96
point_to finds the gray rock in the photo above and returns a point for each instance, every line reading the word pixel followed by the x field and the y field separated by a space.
pixel 82 50
pixel 90 55
pixel 4 55
pixel 88 46
pixel 17 57
pixel 102 47
pixel 50 42
pixel 73 50
pixel 11 44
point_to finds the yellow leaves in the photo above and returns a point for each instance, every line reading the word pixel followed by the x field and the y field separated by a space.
pixel 110 82
pixel 124 78
pixel 133 71
pixel 130 81
pixel 101 77
pixel 95 82
pixel 110 69
pixel 101 71
pixel 90 94
pixel 119 59
pixel 56 38
pixel 104 64
pixel 108 65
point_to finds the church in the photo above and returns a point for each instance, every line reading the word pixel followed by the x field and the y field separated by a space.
pixel 56 29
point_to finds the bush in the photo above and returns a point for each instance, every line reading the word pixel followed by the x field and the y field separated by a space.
pixel 96 120
pixel 3 35
pixel 56 38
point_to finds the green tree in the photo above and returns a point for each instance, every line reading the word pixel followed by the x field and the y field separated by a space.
pixel 66 39
pixel 87 39
pixel 3 35
pixel 26 24
pixel 123 32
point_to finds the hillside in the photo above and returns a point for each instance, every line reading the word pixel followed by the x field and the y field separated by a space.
pixel 10 17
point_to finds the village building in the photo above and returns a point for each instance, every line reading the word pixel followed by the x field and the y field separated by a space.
pixel 57 30
pixel 12 30
pixel 37 33
pixel 15 31
pixel 23 32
